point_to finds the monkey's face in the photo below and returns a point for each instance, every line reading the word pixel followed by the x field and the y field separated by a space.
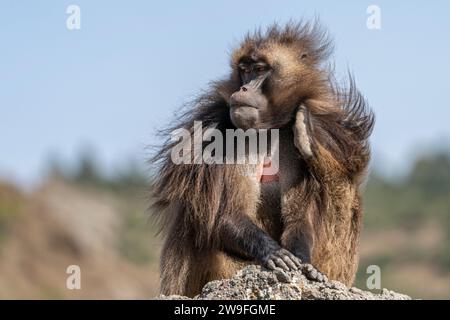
pixel 272 84
pixel 249 103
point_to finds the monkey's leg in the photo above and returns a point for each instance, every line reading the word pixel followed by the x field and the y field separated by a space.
pixel 174 265
pixel 182 264
pixel 298 235
pixel 238 234
pixel 185 269
pixel 297 239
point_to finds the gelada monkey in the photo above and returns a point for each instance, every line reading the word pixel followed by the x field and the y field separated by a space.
pixel 217 218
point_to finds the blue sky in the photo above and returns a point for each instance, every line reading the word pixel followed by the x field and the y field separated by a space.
pixel 133 63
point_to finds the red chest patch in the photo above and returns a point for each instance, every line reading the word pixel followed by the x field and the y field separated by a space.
pixel 264 174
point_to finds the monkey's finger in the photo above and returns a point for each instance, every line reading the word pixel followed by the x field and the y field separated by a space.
pixel 287 257
pixel 313 274
pixel 281 264
pixel 319 277
pixel 308 267
pixel 271 265
pixel 295 259
pixel 298 262
pixel 316 275
pixel 289 262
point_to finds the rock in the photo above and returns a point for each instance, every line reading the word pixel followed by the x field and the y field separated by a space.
pixel 256 283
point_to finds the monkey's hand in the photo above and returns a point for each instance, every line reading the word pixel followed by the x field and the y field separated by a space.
pixel 312 273
pixel 302 137
pixel 285 260
pixel 282 258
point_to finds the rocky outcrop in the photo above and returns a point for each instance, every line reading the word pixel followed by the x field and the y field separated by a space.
pixel 255 283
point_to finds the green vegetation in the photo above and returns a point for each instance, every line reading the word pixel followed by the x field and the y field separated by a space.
pixel 408 202
pixel 11 206
pixel 126 179
pixel 134 240
pixel 416 210
pixel 420 197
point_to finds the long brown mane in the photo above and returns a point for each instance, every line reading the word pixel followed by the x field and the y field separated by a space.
pixel 191 199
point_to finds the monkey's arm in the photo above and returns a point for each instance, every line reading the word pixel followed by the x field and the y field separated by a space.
pixel 238 234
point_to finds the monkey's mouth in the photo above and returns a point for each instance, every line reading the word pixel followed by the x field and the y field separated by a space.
pixel 244 116
pixel 242 105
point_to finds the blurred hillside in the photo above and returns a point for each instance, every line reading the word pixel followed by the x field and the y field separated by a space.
pixel 80 219
pixel 407 229
pixel 79 216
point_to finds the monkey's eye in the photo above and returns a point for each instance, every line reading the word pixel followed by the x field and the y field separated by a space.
pixel 261 68
pixel 244 69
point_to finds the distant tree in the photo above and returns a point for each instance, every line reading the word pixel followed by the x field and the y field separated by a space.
pixel 432 175
pixel 87 170
pixel 56 167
